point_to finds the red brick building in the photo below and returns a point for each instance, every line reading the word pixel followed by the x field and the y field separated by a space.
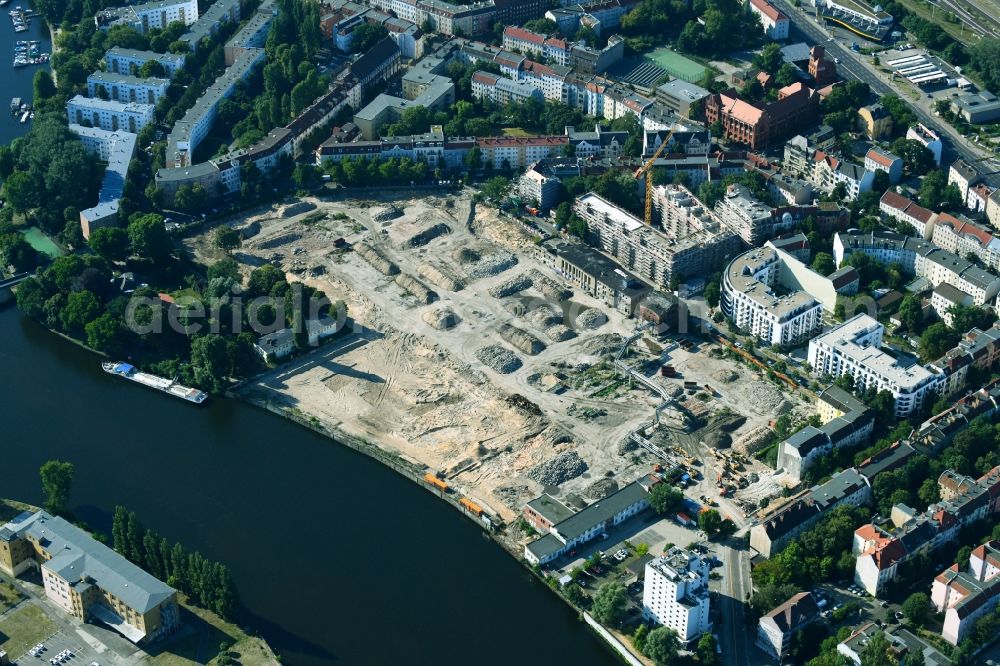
pixel 759 124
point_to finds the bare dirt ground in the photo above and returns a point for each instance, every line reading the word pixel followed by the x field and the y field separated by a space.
pixel 432 394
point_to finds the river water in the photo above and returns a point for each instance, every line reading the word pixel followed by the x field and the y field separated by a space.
pixel 338 559
pixel 17 82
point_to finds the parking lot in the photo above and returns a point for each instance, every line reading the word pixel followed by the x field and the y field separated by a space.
pixel 62 648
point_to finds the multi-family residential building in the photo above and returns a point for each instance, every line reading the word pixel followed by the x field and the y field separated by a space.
pixel 945 296
pixel 747 217
pixel 130 61
pixel 675 593
pixel 775 23
pixel 189 131
pixel 875 121
pixel 829 171
pixel 877 159
pixel 251 37
pixel 431 147
pixel 845 421
pixel 602 142
pixel 680 96
pixel 681 142
pixel 750 299
pixel 993 208
pixel 590 522
pixel 146 16
pixel 116 149
pixel 963 176
pixel 978 197
pixel 536 44
pixel 776 529
pixel 963 237
pixel 966 595
pixel 776 628
pixel 219 13
pixel 920 258
pixel 88 580
pixel 927 138
pixel 539 186
pixel 108 115
pixel 854 348
pixel 126 88
pixel 881 549
pixel 651 254
pixel 601 16
pixel 517 152
pixel 501 90
pixel 758 125
pixel 902 209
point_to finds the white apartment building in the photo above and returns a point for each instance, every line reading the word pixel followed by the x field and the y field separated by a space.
pixel 747 217
pixel 129 61
pixel 675 593
pixel 116 149
pixel 965 596
pixel 155 15
pixel 111 116
pixel 126 88
pixel 536 44
pixel 748 297
pixel 877 159
pixel 775 23
pixel 776 629
pixel 829 171
pixel 517 152
pixel 902 209
pixel 854 348
pixel 501 90
pixel 922 259
pixel 927 138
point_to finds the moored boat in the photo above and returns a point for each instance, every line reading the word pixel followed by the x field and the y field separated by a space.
pixel 129 371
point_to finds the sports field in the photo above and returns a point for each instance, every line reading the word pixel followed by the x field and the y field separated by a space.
pixel 677 65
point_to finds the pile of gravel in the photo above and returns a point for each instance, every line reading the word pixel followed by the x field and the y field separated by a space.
pixel 417 288
pixel 499 358
pixel 600 489
pixel 386 214
pixel 558 470
pixel 439 277
pixel 521 339
pixel 510 287
pixel 591 319
pixel 512 496
pixel 627 445
pixel 426 236
pixel 560 333
pixel 379 261
pixel 492 264
pixel 549 287
pixel 544 316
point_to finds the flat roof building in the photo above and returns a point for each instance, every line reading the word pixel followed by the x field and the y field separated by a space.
pixel 116 149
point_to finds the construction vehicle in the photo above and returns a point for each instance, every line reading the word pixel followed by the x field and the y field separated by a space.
pixel 644 170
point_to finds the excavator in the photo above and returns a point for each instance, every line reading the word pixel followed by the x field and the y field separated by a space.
pixel 643 171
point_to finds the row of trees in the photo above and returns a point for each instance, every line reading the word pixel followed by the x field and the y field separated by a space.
pixel 206 583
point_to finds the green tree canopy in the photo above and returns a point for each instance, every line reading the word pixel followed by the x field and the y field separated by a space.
pixel 149 238
pixel 111 243
pixel 665 499
pixel 662 645
pixel 610 603
pixel 57 482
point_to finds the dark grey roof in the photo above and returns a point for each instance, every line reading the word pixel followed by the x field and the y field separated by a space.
pixel 374 58
pixel 807 439
pixel 542 548
pixel 601 511
pixel 842 400
pixel 841 485
pixel 550 508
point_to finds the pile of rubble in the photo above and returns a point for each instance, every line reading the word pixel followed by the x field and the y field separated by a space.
pixel 442 318
pixel 549 287
pixel 386 214
pixel 766 398
pixel 560 333
pixel 521 339
pixel 426 236
pixel 379 261
pixel 510 287
pixel 417 288
pixel 558 470
pixel 491 264
pixel 545 316
pixel 439 277
pixel 591 319
pixel 750 442
pixel 499 358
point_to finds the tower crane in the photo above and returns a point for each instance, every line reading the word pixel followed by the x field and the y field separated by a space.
pixel 644 171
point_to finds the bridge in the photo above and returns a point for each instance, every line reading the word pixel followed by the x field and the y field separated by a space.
pixel 17 279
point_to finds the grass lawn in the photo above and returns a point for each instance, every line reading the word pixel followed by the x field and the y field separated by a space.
pixel 9 596
pixel 678 65
pixel 515 131
pixel 23 628
pixel 199 644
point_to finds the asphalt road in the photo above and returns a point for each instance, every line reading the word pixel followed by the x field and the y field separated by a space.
pixel 954 146
pixel 736 638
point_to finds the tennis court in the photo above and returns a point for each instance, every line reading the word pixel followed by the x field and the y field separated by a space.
pixel 677 65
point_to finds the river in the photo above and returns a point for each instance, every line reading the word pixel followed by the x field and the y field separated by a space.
pixel 337 559
pixel 17 81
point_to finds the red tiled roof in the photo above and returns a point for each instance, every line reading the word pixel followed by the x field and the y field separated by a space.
pixel 966 229
pixel 486 78
pixel 768 10
pixel 523 35
pixel 880 158
pixel 503 141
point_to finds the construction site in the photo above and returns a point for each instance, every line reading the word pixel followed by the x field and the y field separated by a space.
pixel 472 359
